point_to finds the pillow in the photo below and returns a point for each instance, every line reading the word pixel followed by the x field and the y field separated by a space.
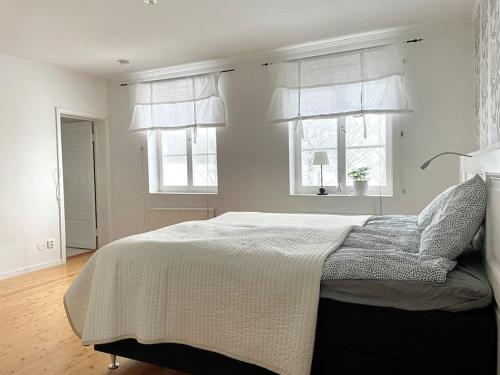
pixel 455 223
pixel 432 208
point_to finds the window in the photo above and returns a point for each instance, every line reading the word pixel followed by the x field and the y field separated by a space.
pixel 344 140
pixel 180 116
pixel 186 165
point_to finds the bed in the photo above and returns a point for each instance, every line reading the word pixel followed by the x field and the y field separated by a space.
pixel 364 333
pixel 354 336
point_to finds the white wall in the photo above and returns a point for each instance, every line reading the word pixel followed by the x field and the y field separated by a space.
pixel 29 94
pixel 253 155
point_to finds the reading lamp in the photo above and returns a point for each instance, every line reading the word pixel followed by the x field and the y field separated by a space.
pixel 426 164
pixel 321 158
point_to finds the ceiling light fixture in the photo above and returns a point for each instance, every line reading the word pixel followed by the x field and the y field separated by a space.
pixel 124 62
pixel 150 2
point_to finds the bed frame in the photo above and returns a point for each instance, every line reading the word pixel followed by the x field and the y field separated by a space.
pixel 360 339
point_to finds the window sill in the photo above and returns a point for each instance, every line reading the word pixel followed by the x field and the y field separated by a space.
pixel 344 195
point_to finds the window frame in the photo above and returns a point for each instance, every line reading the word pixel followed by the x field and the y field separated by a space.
pixel 297 188
pixel 189 188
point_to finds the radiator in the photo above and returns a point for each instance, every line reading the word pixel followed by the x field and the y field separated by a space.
pixel 162 217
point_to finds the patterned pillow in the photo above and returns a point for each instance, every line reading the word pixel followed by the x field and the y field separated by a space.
pixel 454 225
pixel 432 208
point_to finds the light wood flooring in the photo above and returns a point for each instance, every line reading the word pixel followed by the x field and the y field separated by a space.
pixel 72 251
pixel 35 336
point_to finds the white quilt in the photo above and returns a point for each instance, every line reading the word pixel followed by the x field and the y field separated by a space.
pixel 243 284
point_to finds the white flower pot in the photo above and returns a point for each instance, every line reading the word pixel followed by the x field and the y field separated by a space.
pixel 360 187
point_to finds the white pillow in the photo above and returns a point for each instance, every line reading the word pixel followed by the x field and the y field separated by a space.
pixel 455 223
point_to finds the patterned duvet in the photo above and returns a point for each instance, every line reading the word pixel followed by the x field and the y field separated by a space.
pixel 386 248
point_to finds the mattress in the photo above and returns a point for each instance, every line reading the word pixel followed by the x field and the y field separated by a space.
pixel 466 287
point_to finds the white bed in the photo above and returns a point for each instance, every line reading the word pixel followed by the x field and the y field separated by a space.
pixel 487 164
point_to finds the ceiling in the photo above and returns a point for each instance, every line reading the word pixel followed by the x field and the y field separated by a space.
pixel 88 36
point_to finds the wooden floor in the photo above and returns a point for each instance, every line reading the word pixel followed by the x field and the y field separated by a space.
pixel 72 251
pixel 35 337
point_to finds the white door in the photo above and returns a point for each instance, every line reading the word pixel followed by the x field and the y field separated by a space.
pixel 79 186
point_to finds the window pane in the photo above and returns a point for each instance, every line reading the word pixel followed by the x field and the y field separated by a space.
pixel 175 171
pixel 204 158
pixel 204 170
pixel 311 174
pixel 206 142
pixel 319 134
pixel 373 158
pixel 375 130
pixel 173 142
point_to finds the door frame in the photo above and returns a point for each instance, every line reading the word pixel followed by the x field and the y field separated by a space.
pixel 101 176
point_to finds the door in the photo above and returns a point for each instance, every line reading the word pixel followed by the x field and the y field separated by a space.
pixel 79 184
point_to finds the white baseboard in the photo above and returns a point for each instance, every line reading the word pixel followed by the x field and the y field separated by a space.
pixel 35 267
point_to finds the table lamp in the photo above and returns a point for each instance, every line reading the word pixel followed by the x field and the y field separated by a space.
pixel 321 158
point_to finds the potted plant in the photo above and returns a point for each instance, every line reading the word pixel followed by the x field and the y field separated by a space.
pixel 360 180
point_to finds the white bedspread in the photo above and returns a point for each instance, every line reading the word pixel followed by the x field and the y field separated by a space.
pixel 244 284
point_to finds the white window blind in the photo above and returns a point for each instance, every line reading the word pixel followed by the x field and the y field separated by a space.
pixel 351 83
pixel 187 102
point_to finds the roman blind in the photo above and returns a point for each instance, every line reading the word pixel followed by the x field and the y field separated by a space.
pixel 178 103
pixel 350 83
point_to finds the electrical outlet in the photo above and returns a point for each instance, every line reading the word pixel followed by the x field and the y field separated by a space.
pixel 50 244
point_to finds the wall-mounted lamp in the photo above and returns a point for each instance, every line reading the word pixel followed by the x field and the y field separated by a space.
pixel 426 164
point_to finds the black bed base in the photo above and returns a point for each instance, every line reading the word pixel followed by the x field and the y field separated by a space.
pixel 358 339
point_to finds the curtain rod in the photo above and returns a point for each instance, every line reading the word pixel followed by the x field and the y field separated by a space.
pixel 222 71
pixel 354 50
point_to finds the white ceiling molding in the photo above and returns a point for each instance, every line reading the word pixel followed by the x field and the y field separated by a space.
pixel 340 44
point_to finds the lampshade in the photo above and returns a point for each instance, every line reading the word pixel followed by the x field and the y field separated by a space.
pixel 320 158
